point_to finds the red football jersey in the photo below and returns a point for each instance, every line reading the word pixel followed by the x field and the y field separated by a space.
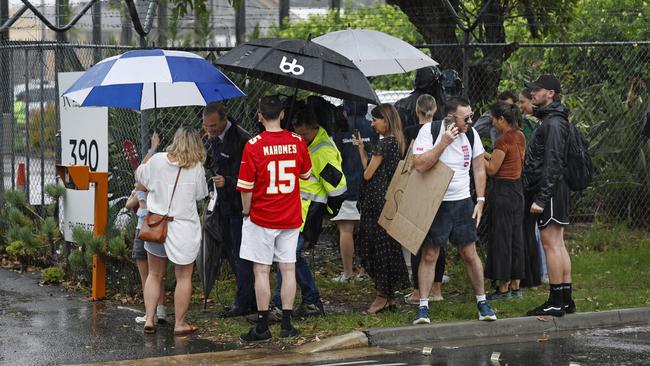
pixel 270 167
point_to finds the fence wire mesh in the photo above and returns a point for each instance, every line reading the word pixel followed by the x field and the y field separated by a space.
pixel 603 85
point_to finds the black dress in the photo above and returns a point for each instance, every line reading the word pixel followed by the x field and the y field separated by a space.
pixel 381 256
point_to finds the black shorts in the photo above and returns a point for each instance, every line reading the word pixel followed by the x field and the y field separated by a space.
pixel 453 223
pixel 557 208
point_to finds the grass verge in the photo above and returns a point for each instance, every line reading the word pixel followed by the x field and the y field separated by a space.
pixel 610 268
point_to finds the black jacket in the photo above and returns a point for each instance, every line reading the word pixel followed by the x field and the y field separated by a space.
pixel 224 159
pixel 546 153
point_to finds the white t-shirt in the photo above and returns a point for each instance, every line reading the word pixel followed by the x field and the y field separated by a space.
pixel 456 156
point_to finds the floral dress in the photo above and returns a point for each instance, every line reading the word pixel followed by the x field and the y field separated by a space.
pixel 381 256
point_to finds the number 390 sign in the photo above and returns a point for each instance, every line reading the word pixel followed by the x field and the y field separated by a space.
pixel 84 130
pixel 84 141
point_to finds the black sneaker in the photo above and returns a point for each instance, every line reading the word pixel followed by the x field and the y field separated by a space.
pixel 547 309
pixel 253 337
pixel 288 333
pixel 570 308
pixel 308 310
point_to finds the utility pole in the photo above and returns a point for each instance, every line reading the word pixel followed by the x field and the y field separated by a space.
pixel 6 91
pixel 61 8
pixel 240 22
pixel 97 30
pixel 162 23
pixel 284 12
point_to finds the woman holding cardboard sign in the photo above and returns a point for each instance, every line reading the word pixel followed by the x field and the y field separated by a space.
pixel 381 255
pixel 505 257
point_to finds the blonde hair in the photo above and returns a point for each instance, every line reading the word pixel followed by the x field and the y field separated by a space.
pixel 427 105
pixel 187 147
pixel 393 123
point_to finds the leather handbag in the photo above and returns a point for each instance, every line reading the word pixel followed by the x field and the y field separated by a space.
pixel 154 228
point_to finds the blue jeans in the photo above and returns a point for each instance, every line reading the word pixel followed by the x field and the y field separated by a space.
pixel 231 228
pixel 305 280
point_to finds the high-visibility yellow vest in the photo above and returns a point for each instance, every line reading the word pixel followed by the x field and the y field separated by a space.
pixel 327 179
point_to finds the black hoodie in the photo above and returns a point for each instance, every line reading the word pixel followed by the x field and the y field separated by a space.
pixel 546 153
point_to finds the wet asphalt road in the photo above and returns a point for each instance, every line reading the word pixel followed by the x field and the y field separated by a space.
pixel 604 347
pixel 51 326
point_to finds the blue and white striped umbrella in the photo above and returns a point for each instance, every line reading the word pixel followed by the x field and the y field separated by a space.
pixel 146 79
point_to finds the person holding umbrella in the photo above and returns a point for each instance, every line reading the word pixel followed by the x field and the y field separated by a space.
pixel 271 166
pixel 225 146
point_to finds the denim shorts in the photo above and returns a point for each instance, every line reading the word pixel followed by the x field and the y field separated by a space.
pixel 138 247
pixel 453 223
pixel 155 249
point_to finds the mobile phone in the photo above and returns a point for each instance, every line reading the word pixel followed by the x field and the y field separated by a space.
pixel 448 122
pixel 357 134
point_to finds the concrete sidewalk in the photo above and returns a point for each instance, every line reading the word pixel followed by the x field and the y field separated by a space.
pixel 466 330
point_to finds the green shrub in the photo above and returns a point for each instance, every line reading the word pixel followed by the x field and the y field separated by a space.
pixel 52 275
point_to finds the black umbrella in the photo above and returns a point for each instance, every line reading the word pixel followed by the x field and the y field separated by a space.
pixel 300 64
pixel 211 253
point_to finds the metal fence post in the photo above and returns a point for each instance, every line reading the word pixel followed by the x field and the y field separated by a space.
pixel 42 139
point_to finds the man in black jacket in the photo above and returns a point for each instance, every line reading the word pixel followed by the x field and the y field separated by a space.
pixel 427 81
pixel 547 192
pixel 225 145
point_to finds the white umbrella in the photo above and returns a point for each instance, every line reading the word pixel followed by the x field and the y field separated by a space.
pixel 376 53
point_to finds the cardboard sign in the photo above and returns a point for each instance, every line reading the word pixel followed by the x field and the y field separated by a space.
pixel 412 201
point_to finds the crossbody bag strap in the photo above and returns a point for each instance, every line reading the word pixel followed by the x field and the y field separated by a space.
pixel 173 191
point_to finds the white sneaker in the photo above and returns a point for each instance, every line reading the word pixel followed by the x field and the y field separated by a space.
pixel 342 278
pixel 362 277
pixel 161 313
pixel 143 319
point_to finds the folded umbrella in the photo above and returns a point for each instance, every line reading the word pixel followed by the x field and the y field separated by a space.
pixel 300 64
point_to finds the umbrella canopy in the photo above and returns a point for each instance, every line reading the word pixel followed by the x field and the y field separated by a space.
pixel 300 64
pixel 211 252
pixel 146 79
pixel 376 53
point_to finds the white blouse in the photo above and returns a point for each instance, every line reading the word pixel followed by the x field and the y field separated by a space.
pixel 184 233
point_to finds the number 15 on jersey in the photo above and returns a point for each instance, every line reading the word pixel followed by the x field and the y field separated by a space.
pixel 281 180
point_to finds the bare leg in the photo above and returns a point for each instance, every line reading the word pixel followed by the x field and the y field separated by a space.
pixel 473 266
pixel 182 295
pixel 157 267
pixel 558 261
pixel 427 270
pixel 288 290
pixel 346 243
pixel 263 286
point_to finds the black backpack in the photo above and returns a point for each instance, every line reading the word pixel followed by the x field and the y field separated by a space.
pixel 579 168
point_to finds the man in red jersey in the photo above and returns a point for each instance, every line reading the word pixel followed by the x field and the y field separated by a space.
pixel 271 165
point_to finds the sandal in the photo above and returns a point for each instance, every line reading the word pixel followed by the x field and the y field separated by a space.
pixel 187 331
pixel 150 329
pixel 387 306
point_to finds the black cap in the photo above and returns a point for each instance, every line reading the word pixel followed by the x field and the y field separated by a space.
pixel 548 82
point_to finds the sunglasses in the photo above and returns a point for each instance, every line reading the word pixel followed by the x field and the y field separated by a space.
pixel 466 118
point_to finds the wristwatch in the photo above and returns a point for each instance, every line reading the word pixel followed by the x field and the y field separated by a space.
pixel 245 214
pixel 480 199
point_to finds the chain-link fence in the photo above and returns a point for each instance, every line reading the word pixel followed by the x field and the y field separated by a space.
pixel 602 85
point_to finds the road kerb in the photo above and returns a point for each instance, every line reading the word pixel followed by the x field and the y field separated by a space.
pixel 346 341
pixel 506 327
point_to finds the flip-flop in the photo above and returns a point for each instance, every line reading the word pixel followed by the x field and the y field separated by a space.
pixel 150 329
pixel 190 330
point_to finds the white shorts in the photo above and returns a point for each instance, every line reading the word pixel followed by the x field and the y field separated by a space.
pixel 348 211
pixel 265 246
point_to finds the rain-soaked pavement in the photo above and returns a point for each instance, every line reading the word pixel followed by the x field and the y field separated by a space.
pixel 51 326
pixel 603 347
